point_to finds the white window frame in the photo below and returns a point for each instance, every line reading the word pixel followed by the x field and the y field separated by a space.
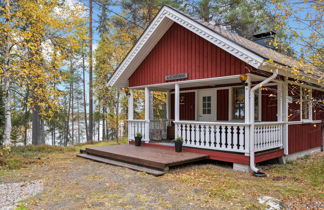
pixel 310 105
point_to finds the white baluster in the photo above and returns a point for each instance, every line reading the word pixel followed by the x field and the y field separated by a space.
pixel 223 137
pixel 235 135
pixel 217 137
pixel 188 133
pixel 212 136
pixel 241 138
pixel 197 135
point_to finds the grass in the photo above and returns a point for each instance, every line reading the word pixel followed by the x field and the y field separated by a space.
pixel 21 156
pixel 300 182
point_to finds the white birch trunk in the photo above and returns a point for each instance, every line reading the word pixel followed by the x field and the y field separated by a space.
pixel 7 112
pixel 6 85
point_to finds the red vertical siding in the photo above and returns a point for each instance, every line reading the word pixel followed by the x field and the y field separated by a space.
pixel 187 106
pixel 269 103
pixel 294 107
pixel 180 51
pixel 304 136
pixel 222 104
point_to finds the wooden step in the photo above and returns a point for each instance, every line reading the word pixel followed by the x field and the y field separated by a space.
pixel 123 164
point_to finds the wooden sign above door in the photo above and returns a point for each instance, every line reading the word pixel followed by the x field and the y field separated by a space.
pixel 172 77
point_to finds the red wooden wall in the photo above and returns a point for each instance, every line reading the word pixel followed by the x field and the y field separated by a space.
pixel 222 104
pixel 187 107
pixel 181 51
pixel 269 104
pixel 303 137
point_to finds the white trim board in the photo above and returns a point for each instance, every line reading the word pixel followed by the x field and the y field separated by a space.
pixel 161 23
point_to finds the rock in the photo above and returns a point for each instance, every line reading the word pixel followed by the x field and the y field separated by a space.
pixel 272 203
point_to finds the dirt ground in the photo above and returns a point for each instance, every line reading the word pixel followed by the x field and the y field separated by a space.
pixel 74 183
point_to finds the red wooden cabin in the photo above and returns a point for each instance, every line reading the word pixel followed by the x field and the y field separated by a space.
pixel 215 100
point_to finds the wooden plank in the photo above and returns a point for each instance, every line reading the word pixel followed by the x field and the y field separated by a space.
pixel 145 156
pixel 122 164
pixel 268 155
pixel 225 156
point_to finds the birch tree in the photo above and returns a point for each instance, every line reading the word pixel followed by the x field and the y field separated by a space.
pixel 35 35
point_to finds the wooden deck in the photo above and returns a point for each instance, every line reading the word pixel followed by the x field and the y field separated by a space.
pixel 141 158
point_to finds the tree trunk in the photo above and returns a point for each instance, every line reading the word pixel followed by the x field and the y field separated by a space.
pixel 90 75
pixel 85 98
pixel 103 123
pixel 36 127
pixel 7 113
pixel 117 116
pixel 6 85
pixel 79 130
pixel 72 102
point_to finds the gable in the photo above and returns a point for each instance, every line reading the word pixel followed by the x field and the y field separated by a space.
pixel 158 27
pixel 182 51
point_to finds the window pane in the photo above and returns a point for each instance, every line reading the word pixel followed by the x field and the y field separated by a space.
pixel 206 104
pixel 305 103
pixel 238 103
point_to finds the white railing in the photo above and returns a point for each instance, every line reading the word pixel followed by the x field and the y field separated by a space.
pixel 232 137
pixel 134 127
pixel 268 135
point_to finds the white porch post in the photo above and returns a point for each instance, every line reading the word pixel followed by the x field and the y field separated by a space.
pixel 176 107
pixel 247 114
pixel 168 106
pixel 147 115
pixel 151 106
pixel 285 115
pixel 279 102
pixel 130 113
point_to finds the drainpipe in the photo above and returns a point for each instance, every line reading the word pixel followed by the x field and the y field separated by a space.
pixel 255 170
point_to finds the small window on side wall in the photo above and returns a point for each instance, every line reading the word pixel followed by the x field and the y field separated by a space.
pixel 306 103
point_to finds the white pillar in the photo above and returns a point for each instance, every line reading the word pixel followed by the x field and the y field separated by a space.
pixel 279 102
pixel 176 107
pixel 131 105
pixel 168 107
pixel 285 115
pixel 177 102
pixel 247 100
pixel 151 106
pixel 147 115
pixel 130 114
pixel 247 113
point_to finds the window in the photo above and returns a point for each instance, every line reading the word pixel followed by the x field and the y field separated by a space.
pixel 306 99
pixel 239 104
pixel 206 105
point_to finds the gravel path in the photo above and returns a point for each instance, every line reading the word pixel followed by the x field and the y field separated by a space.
pixel 12 193
pixel 75 183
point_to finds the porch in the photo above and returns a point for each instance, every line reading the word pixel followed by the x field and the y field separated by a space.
pixel 155 161
pixel 216 117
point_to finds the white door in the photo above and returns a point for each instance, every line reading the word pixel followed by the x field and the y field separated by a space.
pixel 206 105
